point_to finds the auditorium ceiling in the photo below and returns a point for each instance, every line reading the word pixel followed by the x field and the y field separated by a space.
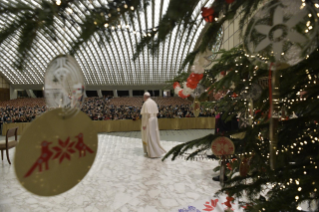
pixel 110 64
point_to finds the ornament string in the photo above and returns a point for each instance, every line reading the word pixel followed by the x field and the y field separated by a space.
pixel 270 91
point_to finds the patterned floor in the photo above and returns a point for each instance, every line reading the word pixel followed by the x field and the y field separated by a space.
pixel 122 179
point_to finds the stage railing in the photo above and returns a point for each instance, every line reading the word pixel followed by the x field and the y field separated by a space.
pixel 130 125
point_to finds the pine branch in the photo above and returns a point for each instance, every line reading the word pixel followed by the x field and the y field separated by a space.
pixel 175 15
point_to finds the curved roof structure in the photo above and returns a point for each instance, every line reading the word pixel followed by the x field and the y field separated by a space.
pixel 104 65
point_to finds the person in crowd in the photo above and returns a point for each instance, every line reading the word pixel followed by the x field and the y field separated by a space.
pixel 150 132
pixel 98 109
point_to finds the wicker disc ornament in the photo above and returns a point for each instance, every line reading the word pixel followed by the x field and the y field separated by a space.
pixel 253 93
pixel 223 146
pixel 64 85
pixel 54 154
pixel 199 90
pixel 283 31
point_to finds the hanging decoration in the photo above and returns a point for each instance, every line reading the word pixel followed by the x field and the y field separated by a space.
pixel 223 146
pixel 54 153
pixel 253 93
pixel 283 31
pixel 189 86
pixel 208 14
pixel 199 90
pixel 196 108
pixel 64 85
pixel 59 147
pixel 197 73
pixel 280 34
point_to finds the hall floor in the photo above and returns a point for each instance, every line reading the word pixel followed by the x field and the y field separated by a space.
pixel 122 179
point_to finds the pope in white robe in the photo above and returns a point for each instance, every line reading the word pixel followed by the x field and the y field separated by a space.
pixel 149 128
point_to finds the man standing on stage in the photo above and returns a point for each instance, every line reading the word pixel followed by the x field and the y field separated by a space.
pixel 149 128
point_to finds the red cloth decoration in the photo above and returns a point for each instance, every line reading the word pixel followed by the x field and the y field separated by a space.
pixel 180 94
pixel 228 202
pixel 230 1
pixel 196 77
pixel 191 85
pixel 223 73
pixel 199 76
pixel 176 84
pixel 192 76
pixel 208 14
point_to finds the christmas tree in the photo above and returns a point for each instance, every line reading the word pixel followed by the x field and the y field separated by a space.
pixel 279 176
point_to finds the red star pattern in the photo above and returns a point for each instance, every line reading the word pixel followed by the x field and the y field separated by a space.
pixel 64 150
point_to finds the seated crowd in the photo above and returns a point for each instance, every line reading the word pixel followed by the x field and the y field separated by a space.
pixel 25 110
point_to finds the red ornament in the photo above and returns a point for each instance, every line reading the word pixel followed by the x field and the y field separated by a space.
pixel 191 83
pixel 222 146
pixel 192 76
pixel 208 14
pixel 230 1
pixel 199 76
pixel 223 73
pixel 176 84
pixel 195 77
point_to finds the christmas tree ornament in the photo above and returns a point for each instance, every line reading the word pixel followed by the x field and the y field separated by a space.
pixel 283 32
pixel 254 92
pixel 64 85
pixel 243 119
pixel 208 14
pixel 189 86
pixel 279 35
pixel 196 107
pixel 54 154
pixel 223 148
pixel 199 90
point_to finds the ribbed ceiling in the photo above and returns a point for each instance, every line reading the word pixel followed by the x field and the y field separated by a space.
pixel 109 64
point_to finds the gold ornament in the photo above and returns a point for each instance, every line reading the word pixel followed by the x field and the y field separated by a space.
pixel 54 154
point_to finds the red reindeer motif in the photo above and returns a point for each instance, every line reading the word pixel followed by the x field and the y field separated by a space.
pixel 81 146
pixel 43 159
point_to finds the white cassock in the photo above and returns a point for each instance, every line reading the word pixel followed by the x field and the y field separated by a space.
pixel 150 135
